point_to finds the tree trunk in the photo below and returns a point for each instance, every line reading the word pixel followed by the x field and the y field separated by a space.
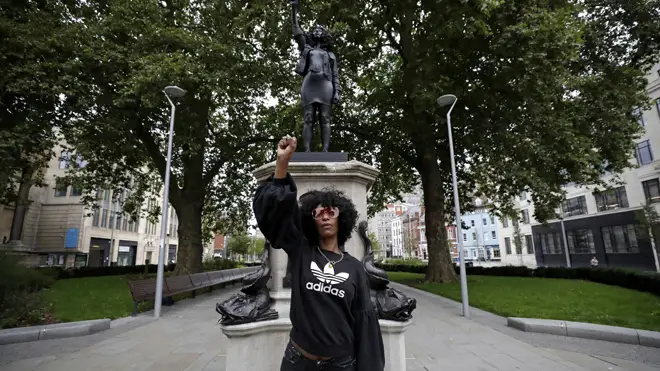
pixel 440 268
pixel 191 247
pixel 22 202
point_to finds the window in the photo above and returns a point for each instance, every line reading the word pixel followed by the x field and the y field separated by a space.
pixel 518 244
pixel 472 223
pixel 485 236
pixel 474 236
pixel 620 239
pixel 493 235
pixel 505 223
pixel 530 244
pixel 496 253
pixel 75 191
pixel 147 260
pixel 580 241
pixel 611 199
pixel 643 153
pixel 507 245
pixel 64 159
pixel 60 189
pixel 657 105
pixel 574 206
pixel 464 236
pixel 485 221
pixel 104 218
pixel 525 216
pixel 651 190
pixel 95 219
pixel 550 243
pixel 640 116
pixel 492 220
pixel 514 222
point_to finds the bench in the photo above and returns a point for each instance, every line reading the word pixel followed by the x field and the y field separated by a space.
pixel 145 290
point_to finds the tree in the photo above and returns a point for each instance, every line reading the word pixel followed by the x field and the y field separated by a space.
pixel 533 79
pixel 239 244
pixel 375 245
pixel 257 247
pixel 649 228
pixel 36 60
pixel 222 128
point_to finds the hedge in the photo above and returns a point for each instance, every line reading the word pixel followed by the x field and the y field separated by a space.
pixel 616 277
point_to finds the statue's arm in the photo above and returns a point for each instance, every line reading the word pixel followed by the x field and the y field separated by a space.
pixel 335 77
pixel 298 33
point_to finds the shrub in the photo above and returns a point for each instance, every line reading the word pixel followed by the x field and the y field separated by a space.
pixel 404 262
pixel 627 278
pixel 60 273
pixel 20 293
pixel 216 264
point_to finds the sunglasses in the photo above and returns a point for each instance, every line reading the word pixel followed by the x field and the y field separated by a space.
pixel 332 212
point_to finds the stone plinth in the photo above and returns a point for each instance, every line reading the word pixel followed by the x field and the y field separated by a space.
pixel 256 346
pixel 394 341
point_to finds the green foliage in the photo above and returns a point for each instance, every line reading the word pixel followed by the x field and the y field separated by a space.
pixel 557 299
pixel 20 294
pixel 375 245
pixel 216 264
pixel 60 273
pixel 630 279
pixel 239 244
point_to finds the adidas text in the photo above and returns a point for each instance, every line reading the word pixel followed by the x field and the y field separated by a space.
pixel 320 287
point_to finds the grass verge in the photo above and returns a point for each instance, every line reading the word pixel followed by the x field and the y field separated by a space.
pixel 546 298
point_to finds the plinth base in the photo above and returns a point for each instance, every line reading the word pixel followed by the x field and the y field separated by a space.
pixel 282 302
pixel 257 346
pixel 260 345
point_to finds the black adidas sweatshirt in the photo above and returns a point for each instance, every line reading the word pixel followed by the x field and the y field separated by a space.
pixel 331 309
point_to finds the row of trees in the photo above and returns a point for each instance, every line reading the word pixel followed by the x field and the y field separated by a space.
pixel 547 93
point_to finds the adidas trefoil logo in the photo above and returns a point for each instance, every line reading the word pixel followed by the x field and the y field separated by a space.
pixel 327 276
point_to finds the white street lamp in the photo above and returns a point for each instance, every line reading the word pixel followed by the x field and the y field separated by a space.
pixel 443 101
pixel 170 92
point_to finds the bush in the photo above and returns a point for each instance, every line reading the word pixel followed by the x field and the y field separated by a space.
pixel 60 273
pixel 630 279
pixel 216 264
pixel 20 293
pixel 404 262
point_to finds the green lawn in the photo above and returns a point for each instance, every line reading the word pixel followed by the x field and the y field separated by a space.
pixel 79 299
pixel 547 298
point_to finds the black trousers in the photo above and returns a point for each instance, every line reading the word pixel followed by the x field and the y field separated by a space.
pixel 293 360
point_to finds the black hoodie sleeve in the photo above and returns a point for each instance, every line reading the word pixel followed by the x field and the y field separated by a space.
pixel 276 209
pixel 369 349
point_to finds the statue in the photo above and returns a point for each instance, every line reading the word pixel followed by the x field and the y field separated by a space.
pixel 253 303
pixel 320 87
pixel 390 304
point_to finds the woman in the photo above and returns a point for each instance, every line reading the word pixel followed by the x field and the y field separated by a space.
pixel 318 66
pixel 334 324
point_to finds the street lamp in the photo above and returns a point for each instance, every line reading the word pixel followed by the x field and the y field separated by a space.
pixel 443 101
pixel 170 92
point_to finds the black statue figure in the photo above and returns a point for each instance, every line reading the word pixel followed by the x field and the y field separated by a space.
pixel 320 88
pixel 391 304
pixel 253 303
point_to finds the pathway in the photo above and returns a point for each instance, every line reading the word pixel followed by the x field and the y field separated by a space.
pixel 187 338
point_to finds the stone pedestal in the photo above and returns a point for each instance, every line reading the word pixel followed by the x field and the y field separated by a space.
pixel 394 341
pixel 260 346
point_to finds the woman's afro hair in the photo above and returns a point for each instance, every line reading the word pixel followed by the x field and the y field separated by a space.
pixel 328 197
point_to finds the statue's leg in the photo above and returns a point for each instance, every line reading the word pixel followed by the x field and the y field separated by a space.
pixel 324 119
pixel 308 129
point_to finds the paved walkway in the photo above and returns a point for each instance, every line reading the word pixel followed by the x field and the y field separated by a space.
pixel 187 338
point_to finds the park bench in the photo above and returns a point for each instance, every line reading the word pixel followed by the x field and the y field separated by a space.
pixel 145 290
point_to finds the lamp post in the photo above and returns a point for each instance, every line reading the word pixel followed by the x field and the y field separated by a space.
pixel 443 101
pixel 170 92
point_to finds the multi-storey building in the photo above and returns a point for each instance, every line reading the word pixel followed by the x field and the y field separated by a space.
pixel 60 231
pixel 515 234
pixel 397 237
pixel 480 238
pixel 601 223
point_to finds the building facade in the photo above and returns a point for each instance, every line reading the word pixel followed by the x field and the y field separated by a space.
pixel 60 231
pixel 601 223
pixel 480 237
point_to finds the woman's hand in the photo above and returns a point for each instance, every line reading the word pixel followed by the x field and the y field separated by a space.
pixel 335 98
pixel 285 150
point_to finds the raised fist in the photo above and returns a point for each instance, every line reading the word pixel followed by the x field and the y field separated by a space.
pixel 286 147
